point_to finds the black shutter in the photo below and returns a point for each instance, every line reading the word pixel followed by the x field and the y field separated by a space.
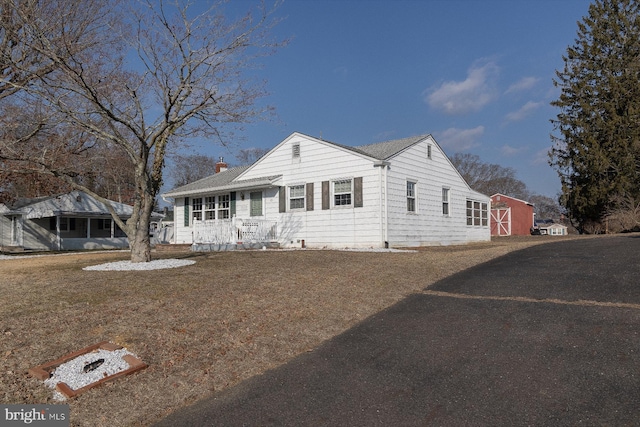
pixel 282 195
pixel 309 196
pixel 357 192
pixel 325 195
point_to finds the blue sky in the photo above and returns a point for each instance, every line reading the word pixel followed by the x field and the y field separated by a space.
pixel 476 74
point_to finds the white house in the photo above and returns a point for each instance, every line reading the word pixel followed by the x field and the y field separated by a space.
pixel 62 222
pixel 552 228
pixel 315 193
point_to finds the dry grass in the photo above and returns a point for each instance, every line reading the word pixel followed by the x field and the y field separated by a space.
pixel 200 328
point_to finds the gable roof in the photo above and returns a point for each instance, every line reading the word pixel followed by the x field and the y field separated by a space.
pixel 385 150
pixel 222 181
pixel 512 198
pixel 228 180
pixel 73 203
pixel 379 150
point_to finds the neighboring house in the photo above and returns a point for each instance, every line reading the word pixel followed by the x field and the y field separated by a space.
pixel 64 222
pixel 510 216
pixel 162 230
pixel 551 228
pixel 315 193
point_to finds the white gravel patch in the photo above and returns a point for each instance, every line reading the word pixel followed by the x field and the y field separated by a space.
pixel 140 266
pixel 377 250
pixel 72 372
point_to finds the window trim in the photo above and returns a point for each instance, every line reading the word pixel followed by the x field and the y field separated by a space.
pixel 477 213
pixel 291 197
pixel 209 207
pixel 196 208
pixel 224 205
pixel 412 199
pixel 446 201
pixel 350 193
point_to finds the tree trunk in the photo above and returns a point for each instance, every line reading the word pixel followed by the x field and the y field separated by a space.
pixel 141 246
pixel 139 240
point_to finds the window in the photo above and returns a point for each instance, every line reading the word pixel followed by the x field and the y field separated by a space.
pixel 411 196
pixel 296 197
pixel 210 207
pixel 196 206
pixel 67 224
pixel 342 192
pixel 103 224
pixel 223 206
pixel 485 215
pixel 445 201
pixel 255 207
pixel 477 213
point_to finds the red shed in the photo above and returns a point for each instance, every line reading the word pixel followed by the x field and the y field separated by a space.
pixel 510 216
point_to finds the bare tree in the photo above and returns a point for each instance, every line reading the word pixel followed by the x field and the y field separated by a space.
pixel 488 178
pixel 624 215
pixel 190 168
pixel 141 79
pixel 20 63
pixel 248 156
pixel 545 207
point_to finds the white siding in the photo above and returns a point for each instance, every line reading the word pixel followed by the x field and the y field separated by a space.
pixel 428 225
pixel 318 162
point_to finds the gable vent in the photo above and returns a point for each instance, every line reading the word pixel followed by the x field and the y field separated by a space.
pixel 295 150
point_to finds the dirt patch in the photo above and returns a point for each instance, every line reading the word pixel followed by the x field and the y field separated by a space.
pixel 204 327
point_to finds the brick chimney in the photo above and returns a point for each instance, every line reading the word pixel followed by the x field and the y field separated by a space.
pixel 221 166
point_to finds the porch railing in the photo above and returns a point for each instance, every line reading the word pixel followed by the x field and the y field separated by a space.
pixel 225 231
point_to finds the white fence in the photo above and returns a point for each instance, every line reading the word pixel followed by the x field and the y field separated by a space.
pixel 225 231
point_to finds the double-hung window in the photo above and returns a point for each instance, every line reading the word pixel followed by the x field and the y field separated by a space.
pixel 210 207
pixel 445 201
pixel 223 206
pixel 411 196
pixel 196 208
pixel 342 192
pixel 296 197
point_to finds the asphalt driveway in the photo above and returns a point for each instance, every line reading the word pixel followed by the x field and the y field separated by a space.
pixel 545 336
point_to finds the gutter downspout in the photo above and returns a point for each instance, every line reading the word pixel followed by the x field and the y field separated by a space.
pixel 383 165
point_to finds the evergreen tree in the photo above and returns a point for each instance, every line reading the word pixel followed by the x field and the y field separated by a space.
pixel 597 146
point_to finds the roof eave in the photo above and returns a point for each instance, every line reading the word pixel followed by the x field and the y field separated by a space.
pixel 265 183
